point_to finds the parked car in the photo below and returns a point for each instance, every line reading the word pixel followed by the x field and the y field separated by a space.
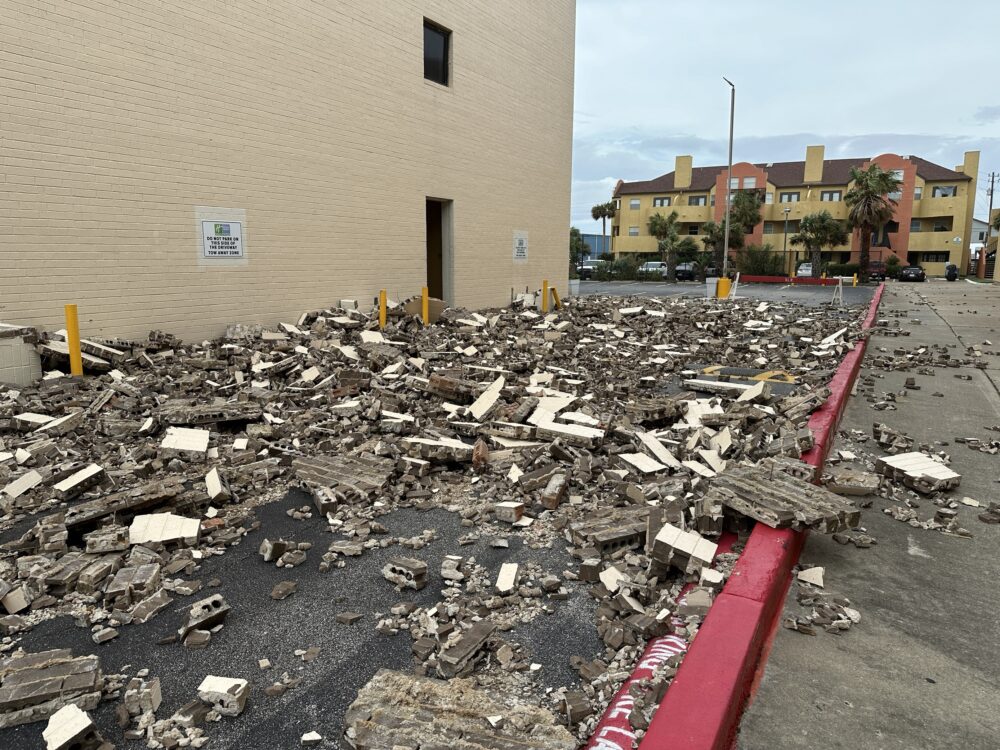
pixel 876 270
pixel 654 267
pixel 588 268
pixel 804 270
pixel 912 273
pixel 686 272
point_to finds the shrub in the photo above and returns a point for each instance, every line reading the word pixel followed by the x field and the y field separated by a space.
pixel 842 269
pixel 759 260
pixel 892 267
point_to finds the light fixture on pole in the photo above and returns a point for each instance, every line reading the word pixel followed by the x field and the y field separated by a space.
pixel 784 247
pixel 729 177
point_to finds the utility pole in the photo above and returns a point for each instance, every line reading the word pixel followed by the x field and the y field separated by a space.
pixel 729 177
pixel 981 265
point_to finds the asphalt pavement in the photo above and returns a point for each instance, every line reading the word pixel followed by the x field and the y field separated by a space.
pixel 258 628
pixel 920 670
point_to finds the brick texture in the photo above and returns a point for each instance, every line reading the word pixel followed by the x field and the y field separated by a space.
pixel 119 117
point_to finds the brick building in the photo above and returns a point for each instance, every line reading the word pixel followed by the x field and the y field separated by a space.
pixel 182 165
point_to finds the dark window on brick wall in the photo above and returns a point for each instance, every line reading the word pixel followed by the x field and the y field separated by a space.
pixel 437 44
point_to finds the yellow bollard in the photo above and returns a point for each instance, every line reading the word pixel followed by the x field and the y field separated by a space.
pixel 381 308
pixel 722 288
pixel 555 298
pixel 425 306
pixel 545 295
pixel 73 341
pixel 855 280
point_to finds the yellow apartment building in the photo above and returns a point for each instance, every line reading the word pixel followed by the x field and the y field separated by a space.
pixel 931 225
pixel 182 165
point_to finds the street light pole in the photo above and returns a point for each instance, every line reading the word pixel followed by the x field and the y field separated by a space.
pixel 729 177
pixel 784 246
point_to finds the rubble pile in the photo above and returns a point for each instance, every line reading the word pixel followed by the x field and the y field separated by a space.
pixel 632 433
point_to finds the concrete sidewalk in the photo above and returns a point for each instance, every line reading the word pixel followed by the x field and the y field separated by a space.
pixel 920 670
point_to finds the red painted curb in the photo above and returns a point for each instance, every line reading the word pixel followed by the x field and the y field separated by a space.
pixel 703 707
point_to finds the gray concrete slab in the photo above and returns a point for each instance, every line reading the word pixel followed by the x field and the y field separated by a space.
pixel 920 670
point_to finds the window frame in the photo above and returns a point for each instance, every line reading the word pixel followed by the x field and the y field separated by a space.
pixel 699 200
pixel 826 196
pixel 635 233
pixel 952 194
pixel 445 32
pixel 936 256
pixel 796 199
pixel 658 201
pixel 634 204
pixel 749 183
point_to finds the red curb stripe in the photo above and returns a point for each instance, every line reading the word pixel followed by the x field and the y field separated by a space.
pixel 702 708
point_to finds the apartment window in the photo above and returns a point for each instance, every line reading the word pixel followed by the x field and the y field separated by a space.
pixel 934 257
pixel 616 231
pixel 789 198
pixel 711 199
pixel 898 175
pixel 697 200
pixel 830 196
pixel 437 42
pixel 944 191
pixel 618 204
pixel 768 227
pixel 734 183
pixel 769 198
pixel 633 231
pixel 749 182
pixel 661 202
pixel 942 226
pixel 980 236
pixel 634 204
pixel 694 229
pixel 918 193
pixel 914 225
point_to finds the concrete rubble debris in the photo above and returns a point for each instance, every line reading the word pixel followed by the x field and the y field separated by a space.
pixel 70 728
pixel 227 695
pixel 395 710
pixel 918 471
pixel 406 572
pixel 591 431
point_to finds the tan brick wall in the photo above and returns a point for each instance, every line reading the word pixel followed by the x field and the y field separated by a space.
pixel 119 117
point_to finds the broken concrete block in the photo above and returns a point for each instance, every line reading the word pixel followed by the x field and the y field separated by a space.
pixel 686 550
pixel 509 511
pixel 812 576
pixel 461 655
pixel 406 572
pixel 164 528
pixel 918 471
pixel 205 615
pixel 227 695
pixel 71 728
pixel 507 579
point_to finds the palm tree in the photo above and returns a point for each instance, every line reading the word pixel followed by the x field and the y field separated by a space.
pixel 817 231
pixel 603 212
pixel 869 206
pixel 667 230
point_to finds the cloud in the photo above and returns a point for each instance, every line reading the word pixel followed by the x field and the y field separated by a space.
pixel 986 115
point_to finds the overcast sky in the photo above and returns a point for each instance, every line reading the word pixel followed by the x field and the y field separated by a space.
pixel 862 77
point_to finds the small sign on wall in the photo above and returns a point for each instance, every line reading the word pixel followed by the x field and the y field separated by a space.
pixel 222 239
pixel 520 246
